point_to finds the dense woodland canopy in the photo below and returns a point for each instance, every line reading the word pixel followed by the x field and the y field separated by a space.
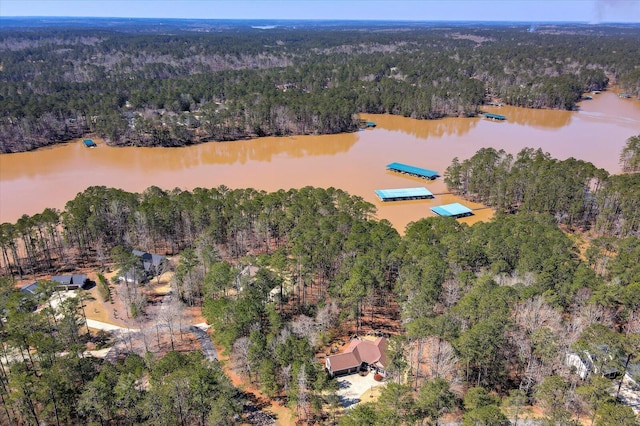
pixel 575 192
pixel 487 313
pixel 174 83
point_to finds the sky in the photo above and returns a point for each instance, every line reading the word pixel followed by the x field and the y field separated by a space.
pixel 592 11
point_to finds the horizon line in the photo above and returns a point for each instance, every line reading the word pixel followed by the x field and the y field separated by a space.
pixel 314 19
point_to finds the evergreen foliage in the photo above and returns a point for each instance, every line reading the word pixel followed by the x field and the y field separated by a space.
pixel 488 310
pixel 144 86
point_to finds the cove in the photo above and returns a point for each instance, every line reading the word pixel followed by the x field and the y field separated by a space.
pixel 354 162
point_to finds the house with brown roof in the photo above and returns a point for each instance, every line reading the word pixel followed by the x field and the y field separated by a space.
pixel 361 354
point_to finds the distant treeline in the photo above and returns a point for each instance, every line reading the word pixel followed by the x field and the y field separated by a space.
pixel 149 88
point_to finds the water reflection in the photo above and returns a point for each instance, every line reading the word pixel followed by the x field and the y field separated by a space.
pixel 74 156
pixel 265 149
pixel 541 118
pixel 424 129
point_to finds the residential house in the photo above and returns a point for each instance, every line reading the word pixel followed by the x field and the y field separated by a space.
pixel 150 265
pixel 32 289
pixel 153 264
pixel 580 361
pixel 70 282
pixel 586 362
pixel 361 354
pixel 246 276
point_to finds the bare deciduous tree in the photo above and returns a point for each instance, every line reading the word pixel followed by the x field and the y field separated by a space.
pixel 303 394
pixel 305 326
pixel 240 356
pixel 169 315
pixel 327 316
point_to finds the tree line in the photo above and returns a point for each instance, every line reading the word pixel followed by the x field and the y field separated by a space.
pixel 575 192
pixel 146 88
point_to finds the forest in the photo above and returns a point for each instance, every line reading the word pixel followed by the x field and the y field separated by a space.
pixel 484 315
pixel 176 83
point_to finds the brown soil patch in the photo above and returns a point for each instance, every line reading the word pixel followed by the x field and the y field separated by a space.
pixel 111 312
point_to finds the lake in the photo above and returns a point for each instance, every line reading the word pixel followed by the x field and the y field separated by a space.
pixel 354 162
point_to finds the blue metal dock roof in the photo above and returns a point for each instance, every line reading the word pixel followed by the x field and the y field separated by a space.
pixel 494 116
pixel 417 171
pixel 454 210
pixel 403 194
pixel 89 143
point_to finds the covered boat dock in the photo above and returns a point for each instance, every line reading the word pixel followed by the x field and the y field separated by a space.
pixel 456 210
pixel 402 194
pixel 413 171
pixel 497 117
pixel 89 143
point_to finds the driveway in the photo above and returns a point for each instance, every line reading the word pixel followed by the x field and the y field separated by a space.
pixel 351 388
pixel 630 395
pixel 99 325
pixel 200 331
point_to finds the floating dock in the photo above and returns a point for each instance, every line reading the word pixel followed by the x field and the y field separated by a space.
pixel 369 124
pixel 89 143
pixel 412 171
pixel 452 210
pixel 402 194
pixel 497 117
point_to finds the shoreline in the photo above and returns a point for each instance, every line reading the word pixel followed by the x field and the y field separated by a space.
pixel 355 162
pixel 92 135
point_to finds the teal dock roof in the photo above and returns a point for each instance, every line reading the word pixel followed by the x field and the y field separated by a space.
pixel 89 143
pixel 452 210
pixel 494 116
pixel 403 194
pixel 412 170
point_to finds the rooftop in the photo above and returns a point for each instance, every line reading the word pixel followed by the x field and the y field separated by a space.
pixel 494 116
pixel 412 170
pixel 403 194
pixel 452 210
pixel 359 351
pixel 30 288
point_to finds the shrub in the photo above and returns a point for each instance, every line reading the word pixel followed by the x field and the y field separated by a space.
pixel 103 289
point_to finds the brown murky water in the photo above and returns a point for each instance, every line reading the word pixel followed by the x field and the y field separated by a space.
pixel 355 162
